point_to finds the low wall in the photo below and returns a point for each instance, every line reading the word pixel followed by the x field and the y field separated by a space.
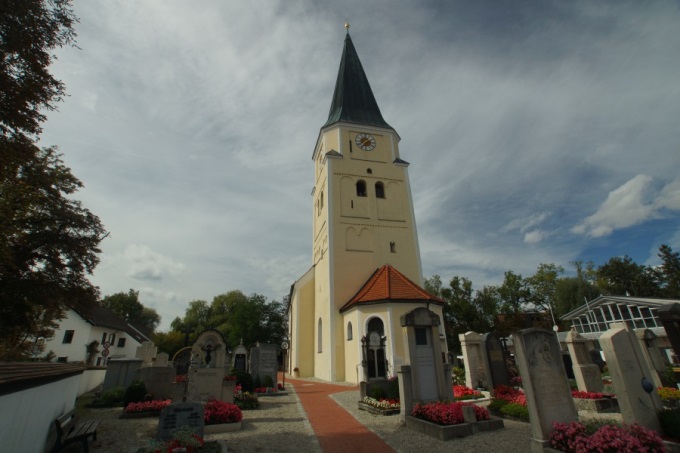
pixel 92 378
pixel 32 396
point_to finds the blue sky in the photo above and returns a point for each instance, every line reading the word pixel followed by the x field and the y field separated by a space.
pixel 537 132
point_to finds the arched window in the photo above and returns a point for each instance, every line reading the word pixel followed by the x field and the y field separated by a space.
pixel 318 346
pixel 349 331
pixel 376 325
pixel 393 247
pixel 361 188
pixel 369 171
pixel 379 190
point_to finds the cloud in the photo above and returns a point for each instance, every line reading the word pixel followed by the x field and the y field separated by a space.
pixel 632 203
pixel 142 263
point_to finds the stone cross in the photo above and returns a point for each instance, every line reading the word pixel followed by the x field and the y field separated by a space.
pixel 146 352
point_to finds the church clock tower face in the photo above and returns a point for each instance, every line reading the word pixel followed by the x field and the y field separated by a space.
pixel 365 142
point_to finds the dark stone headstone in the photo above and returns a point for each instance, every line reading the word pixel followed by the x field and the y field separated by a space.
pixel 120 372
pixel 497 360
pixel 596 357
pixel 240 362
pixel 178 415
pixel 568 365
pixel 264 361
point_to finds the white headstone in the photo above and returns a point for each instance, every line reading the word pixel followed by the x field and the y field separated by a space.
pixel 587 374
pixel 146 352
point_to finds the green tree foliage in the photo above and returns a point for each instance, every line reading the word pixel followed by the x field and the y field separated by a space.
pixel 669 272
pixel 572 292
pixel 621 275
pixel 168 342
pixel 237 317
pixel 48 241
pixel 128 307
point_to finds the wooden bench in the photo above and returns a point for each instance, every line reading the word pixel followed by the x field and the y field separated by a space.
pixel 70 431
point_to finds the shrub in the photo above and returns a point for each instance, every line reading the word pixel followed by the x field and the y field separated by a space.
pixel 393 388
pixel 497 404
pixel 257 382
pixel 135 393
pixel 217 412
pixel 110 398
pixel 245 380
pixel 377 392
pixel 670 422
pixel 267 381
pixel 247 401
pixel 670 396
pixel 458 375
pixel 516 410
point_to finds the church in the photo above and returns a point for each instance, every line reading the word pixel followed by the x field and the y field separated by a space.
pixel 344 312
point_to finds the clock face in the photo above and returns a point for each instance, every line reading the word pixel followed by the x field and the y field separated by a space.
pixel 365 142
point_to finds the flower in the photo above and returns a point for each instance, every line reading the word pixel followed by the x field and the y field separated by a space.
pixel 576 437
pixel 382 403
pixel 669 395
pixel 296 369
pixel 510 395
pixel 590 395
pixel 147 406
pixel 445 413
pixel 217 412
pixel 461 392
pixel 181 378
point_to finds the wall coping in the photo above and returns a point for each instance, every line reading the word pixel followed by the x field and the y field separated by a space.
pixel 18 376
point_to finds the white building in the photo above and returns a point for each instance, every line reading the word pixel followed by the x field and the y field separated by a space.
pixel 78 330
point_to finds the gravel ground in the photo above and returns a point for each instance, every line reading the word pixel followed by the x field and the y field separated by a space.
pixel 281 425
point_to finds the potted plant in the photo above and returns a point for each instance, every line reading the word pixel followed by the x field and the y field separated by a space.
pixel 296 372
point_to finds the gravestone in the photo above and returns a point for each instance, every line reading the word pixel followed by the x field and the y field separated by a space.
pixel 669 315
pixel 240 358
pixel 207 372
pixel 498 366
pixel 120 372
pixel 177 415
pixel 652 354
pixel 631 376
pixel 586 373
pixel 161 360
pixel 477 373
pixel 146 352
pixel 596 358
pixel 426 378
pixel 159 381
pixel 545 383
pixel 264 361
pixel 181 361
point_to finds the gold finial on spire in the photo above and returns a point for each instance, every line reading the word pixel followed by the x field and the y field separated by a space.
pixel 347 25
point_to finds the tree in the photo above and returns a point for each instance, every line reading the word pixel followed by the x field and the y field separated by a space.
pixel 621 275
pixel 29 31
pixel 669 272
pixel 572 292
pixel 543 286
pixel 128 307
pixel 48 241
pixel 514 297
pixel 48 244
pixel 168 342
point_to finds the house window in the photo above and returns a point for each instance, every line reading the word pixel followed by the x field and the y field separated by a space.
pixel 103 338
pixel 318 346
pixel 112 340
pixel 361 188
pixel 349 331
pixel 369 171
pixel 68 336
pixel 379 190
pixel 62 359
pixel 121 342
pixel 99 361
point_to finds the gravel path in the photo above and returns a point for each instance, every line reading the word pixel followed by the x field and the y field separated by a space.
pixel 281 425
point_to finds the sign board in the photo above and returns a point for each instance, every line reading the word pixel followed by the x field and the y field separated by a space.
pixel 105 353
pixel 106 345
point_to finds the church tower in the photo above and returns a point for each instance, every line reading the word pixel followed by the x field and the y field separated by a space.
pixel 366 266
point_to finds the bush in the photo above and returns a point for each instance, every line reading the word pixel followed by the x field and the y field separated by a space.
pixel 247 401
pixel 377 392
pixel 245 380
pixel 574 437
pixel 516 410
pixel 393 388
pixel 110 398
pixel 135 393
pixel 257 382
pixel 267 381
pixel 670 422
pixel 497 404
pixel 458 375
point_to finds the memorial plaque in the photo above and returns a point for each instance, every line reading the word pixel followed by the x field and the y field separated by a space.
pixel 178 415
pixel 264 361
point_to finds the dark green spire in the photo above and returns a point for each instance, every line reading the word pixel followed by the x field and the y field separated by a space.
pixel 353 100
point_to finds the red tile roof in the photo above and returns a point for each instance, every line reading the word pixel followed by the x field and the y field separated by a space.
pixel 389 285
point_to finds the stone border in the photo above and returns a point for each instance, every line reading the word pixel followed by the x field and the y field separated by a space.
pixel 147 414
pixel 597 405
pixel 452 431
pixel 377 410
pixel 222 428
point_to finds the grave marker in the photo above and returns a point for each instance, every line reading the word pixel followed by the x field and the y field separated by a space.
pixel 546 387
pixel 177 415
pixel 264 361
pixel 495 352
pixel 587 374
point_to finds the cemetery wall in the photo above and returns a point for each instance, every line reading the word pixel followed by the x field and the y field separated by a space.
pixel 28 408
pixel 91 379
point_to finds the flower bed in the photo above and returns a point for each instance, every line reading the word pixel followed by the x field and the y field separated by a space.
pixel 578 437
pixel 509 402
pixel 669 396
pixel 144 409
pixel 216 412
pixel 245 400
pixel 461 393
pixel 595 401
pixel 383 406
pixel 444 420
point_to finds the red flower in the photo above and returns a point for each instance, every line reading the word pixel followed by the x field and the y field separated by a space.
pixel 217 412
pixel 443 413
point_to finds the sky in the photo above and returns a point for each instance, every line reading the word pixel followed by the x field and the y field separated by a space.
pixel 536 132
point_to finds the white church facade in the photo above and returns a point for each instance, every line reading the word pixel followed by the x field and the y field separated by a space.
pixel 344 312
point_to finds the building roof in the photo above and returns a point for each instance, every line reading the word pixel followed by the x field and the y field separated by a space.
pixel 103 317
pixel 353 99
pixel 389 285
pixel 625 300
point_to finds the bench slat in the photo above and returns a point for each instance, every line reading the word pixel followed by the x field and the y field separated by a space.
pixel 86 429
